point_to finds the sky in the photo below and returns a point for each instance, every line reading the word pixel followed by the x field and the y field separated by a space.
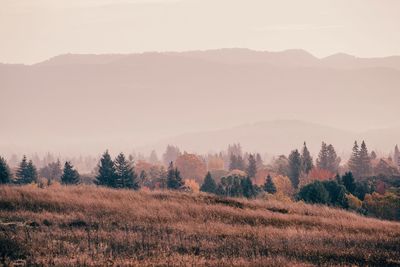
pixel 32 31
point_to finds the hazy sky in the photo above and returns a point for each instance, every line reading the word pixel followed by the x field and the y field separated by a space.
pixel 34 30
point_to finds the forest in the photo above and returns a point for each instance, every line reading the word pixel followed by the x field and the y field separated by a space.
pixel 366 184
pixel 230 208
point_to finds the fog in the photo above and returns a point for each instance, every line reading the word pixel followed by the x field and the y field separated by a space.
pixel 326 70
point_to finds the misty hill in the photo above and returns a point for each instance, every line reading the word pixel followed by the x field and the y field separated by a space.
pixel 282 136
pixel 86 103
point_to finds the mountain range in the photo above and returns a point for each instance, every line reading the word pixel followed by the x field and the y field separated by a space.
pixel 87 103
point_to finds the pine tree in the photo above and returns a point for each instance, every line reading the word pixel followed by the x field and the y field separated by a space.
pixel 306 160
pixel 125 176
pixel 70 175
pixel 209 184
pixel 332 159
pixel 364 161
pixel 247 187
pixel 32 172
pixel 373 155
pixel 354 161
pixel 26 172
pixel 232 162
pixel 348 182
pixel 322 160
pixel 252 167
pixel 22 171
pixel 295 168
pixel 106 174
pixel 240 163
pixel 174 179
pixel 5 174
pixel 269 185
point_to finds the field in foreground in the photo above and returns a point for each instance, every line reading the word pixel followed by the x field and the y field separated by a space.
pixel 85 225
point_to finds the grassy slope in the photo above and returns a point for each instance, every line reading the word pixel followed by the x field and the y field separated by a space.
pixel 94 226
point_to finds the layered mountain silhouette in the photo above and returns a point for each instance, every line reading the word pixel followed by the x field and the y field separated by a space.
pixel 92 102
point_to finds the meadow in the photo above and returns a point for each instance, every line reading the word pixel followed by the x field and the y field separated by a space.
pixel 93 226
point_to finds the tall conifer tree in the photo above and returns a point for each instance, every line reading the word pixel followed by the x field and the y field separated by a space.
pixel 354 161
pixel 295 168
pixel 269 185
pixel 364 161
pixel 70 175
pixel 306 160
pixel 252 167
pixel 174 179
pixel 125 176
pixel 5 174
pixel 209 184
pixel 106 174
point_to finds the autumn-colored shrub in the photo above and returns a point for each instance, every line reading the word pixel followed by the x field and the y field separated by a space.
pixel 385 206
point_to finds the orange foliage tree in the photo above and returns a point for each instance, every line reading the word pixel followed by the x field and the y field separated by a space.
pixel 215 163
pixel 317 174
pixel 193 185
pixel 283 185
pixel 191 167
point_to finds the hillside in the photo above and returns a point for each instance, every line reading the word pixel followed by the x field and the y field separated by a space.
pixel 96 226
pixel 93 102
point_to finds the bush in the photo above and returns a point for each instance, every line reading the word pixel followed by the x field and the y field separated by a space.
pixel 314 193
pixel 326 192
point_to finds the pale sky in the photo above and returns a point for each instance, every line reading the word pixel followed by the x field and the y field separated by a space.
pixel 34 30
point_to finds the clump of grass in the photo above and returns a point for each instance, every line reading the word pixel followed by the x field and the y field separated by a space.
pixel 87 225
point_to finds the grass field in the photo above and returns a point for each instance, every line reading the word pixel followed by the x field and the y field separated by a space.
pixel 85 225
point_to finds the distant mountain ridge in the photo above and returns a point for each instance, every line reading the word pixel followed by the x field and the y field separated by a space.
pixel 293 57
pixel 94 102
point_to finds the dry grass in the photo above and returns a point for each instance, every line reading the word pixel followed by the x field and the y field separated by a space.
pixel 85 225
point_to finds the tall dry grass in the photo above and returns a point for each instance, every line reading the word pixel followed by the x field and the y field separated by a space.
pixel 87 225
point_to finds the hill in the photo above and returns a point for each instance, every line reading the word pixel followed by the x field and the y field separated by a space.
pixel 74 103
pixel 84 225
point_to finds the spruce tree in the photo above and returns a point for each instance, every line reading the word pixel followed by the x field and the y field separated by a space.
pixel 269 185
pixel 125 176
pixel 106 173
pixel 252 167
pixel 232 162
pixel 5 174
pixel 209 184
pixel 306 160
pixel 22 171
pixel 247 187
pixel 32 172
pixel 26 172
pixel 322 160
pixel 333 160
pixel 295 168
pixel 348 182
pixel 70 176
pixel 364 161
pixel 354 161
pixel 240 163
pixel 174 179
